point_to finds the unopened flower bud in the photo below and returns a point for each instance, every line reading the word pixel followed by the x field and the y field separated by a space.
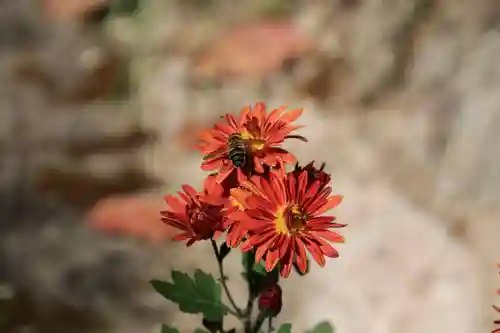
pixel 270 300
pixel 314 174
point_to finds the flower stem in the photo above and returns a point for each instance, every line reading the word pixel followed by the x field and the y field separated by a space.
pixel 260 320
pixel 251 297
pixel 237 311
pixel 270 325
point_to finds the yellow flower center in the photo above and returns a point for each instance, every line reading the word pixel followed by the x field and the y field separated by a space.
pixel 290 220
pixel 246 135
pixel 252 141
pixel 235 203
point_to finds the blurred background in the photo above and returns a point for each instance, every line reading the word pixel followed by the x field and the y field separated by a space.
pixel 101 101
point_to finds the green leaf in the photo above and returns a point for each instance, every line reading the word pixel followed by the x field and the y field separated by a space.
pixel 168 329
pixel 259 269
pixel 246 259
pixel 323 327
pixel 124 7
pixel 285 328
pixel 199 295
pixel 200 330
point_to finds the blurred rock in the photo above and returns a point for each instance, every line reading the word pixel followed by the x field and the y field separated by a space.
pixel 252 50
pixel 133 139
pixel 74 66
pixel 62 152
pixel 320 77
pixel 68 10
pixel 428 68
pixel 187 136
pixel 138 217
pixel 20 24
pixel 72 279
pixel 82 189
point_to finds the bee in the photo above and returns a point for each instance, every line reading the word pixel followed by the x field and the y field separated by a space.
pixel 236 150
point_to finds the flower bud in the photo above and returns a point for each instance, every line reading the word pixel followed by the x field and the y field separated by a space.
pixel 270 300
pixel 314 174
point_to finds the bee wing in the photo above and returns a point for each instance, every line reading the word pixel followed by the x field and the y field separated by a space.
pixel 213 154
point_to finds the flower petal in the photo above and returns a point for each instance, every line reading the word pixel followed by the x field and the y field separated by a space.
pixel 272 259
pixel 316 253
pixel 330 236
pixel 301 257
pixel 332 202
pixel 175 204
pixel 224 172
pixel 292 115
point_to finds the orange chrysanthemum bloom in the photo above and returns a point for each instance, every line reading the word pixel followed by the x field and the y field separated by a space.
pixel 283 219
pixel 200 215
pixel 256 134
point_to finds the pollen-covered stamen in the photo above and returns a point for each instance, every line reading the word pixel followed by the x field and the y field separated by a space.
pixel 235 203
pixel 256 145
pixel 290 219
pixel 205 219
pixel 252 141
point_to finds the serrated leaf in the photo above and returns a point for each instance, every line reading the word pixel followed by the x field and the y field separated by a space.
pixel 168 329
pixel 323 327
pixel 285 328
pixel 199 295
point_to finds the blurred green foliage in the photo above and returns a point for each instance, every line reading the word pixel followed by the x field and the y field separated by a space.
pixel 277 8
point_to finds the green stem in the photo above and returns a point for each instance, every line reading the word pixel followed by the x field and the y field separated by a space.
pixel 237 311
pixel 251 297
pixel 270 325
pixel 260 320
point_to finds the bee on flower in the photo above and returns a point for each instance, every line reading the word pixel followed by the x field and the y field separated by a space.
pixel 247 143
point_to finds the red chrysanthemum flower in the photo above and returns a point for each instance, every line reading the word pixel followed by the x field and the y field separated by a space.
pixel 283 219
pixel 254 137
pixel 200 215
